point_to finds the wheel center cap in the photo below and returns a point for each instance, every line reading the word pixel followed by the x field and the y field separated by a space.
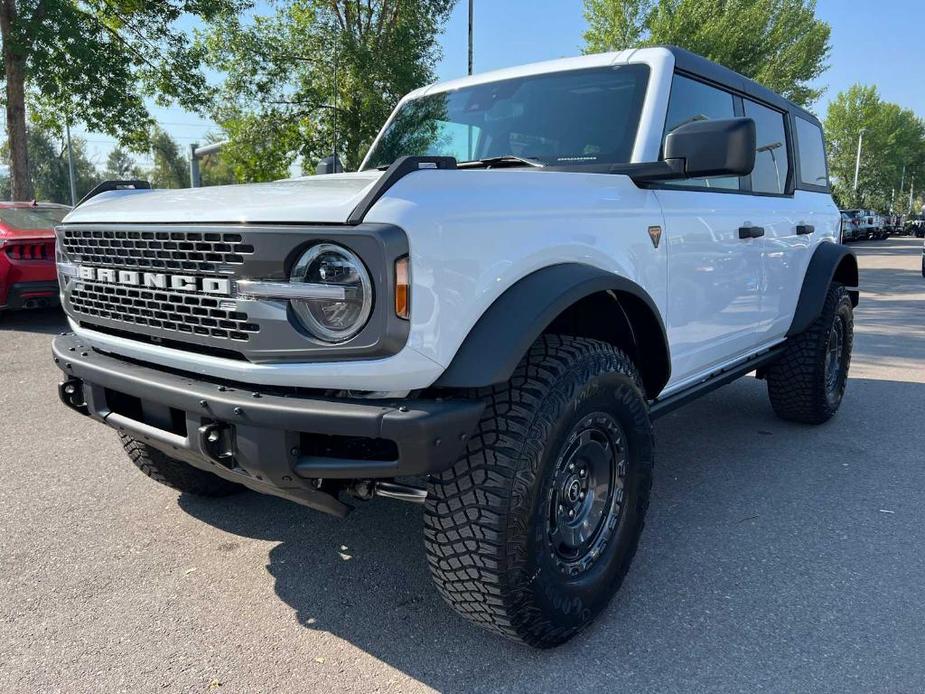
pixel 573 492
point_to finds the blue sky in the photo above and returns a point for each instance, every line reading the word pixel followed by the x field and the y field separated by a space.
pixel 881 43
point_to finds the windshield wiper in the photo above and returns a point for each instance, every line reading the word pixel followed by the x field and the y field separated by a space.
pixel 506 160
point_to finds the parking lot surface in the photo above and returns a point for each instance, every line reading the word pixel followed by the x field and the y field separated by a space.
pixel 776 557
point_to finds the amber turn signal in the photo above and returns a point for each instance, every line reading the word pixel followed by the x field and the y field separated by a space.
pixel 402 288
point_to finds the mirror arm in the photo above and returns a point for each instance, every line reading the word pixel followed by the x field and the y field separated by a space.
pixel 648 172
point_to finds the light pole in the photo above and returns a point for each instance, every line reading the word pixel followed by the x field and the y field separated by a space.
pixel 911 186
pixel 770 150
pixel 857 161
pixel 70 162
pixel 195 154
pixel 469 151
pixel 470 36
pixel 334 108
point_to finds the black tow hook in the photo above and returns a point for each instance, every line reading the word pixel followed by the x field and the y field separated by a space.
pixel 216 441
pixel 71 393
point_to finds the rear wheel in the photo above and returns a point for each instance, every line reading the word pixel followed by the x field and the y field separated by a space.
pixel 808 382
pixel 533 530
pixel 175 473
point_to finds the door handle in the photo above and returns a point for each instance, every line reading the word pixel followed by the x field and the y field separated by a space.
pixel 750 232
pixel 805 228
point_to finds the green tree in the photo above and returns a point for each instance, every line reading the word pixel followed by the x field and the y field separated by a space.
pixel 779 43
pixel 48 167
pixel 120 165
pixel 613 25
pixel 95 62
pixel 171 167
pixel 894 140
pixel 317 71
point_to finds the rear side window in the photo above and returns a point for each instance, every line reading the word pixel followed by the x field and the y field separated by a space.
pixel 812 153
pixel 691 101
pixel 771 160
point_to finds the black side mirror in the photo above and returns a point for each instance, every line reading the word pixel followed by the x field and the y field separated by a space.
pixel 699 149
pixel 713 147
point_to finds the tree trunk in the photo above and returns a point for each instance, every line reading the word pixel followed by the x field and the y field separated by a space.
pixel 14 64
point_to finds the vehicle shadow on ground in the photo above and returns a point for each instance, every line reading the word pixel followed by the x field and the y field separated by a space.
pixel 722 503
pixel 44 320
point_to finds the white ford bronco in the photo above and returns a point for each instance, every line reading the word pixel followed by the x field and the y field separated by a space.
pixel 529 267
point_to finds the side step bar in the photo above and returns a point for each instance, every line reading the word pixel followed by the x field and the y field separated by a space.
pixel 662 406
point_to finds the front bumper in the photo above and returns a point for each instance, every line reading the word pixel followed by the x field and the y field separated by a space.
pixel 278 443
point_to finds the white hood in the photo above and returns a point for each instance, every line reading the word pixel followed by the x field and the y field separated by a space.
pixel 312 199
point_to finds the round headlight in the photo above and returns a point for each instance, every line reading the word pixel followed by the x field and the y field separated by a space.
pixel 344 292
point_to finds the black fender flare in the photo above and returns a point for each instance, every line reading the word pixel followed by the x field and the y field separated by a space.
pixel 507 329
pixel 830 261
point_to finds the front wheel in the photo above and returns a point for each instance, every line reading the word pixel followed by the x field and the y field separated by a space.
pixel 808 382
pixel 175 473
pixel 531 532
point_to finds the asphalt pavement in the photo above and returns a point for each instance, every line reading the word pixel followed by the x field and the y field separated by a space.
pixel 776 557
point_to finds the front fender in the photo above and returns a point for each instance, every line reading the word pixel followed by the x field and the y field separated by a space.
pixel 507 329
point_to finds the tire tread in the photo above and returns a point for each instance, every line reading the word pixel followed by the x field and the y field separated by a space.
pixel 476 517
pixel 796 381
pixel 175 473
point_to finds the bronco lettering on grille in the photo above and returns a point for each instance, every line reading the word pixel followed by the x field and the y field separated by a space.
pixel 157 280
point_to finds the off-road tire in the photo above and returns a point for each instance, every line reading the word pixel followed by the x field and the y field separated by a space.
pixel 797 383
pixel 485 530
pixel 175 473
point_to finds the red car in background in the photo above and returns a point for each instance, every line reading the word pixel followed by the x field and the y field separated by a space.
pixel 27 254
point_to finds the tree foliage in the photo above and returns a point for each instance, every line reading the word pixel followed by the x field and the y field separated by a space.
pixel 894 140
pixel 48 167
pixel 280 99
pixel 171 166
pixel 121 166
pixel 779 43
pixel 96 61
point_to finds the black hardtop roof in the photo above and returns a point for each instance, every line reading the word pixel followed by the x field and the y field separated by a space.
pixel 698 65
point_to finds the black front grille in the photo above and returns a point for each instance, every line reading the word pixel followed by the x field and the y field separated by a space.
pixel 189 251
pixel 180 313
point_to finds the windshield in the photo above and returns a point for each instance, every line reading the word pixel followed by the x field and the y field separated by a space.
pixel 558 119
pixel 32 217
